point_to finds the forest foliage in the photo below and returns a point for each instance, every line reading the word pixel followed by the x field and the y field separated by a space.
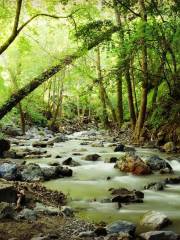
pixel 124 60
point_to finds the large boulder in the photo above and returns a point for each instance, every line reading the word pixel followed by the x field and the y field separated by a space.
pixel 133 164
pixel 123 195
pixel 121 227
pixel 6 210
pixel 4 146
pixel 8 171
pixel 32 172
pixel 155 220
pixel 156 163
pixel 160 235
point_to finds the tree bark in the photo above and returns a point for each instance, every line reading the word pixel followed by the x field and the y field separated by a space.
pixel 36 82
pixel 119 74
pixel 130 97
pixel 109 103
pixel 101 90
pixel 143 105
pixel 126 69
pixel 119 99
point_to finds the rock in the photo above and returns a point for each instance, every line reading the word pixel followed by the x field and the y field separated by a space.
pixel 70 162
pixel 26 153
pixel 129 149
pixel 121 227
pixel 134 164
pixel 4 146
pixel 165 171
pixel 100 231
pixel 49 173
pixel 46 210
pixel 123 195
pixel 157 186
pixel 169 147
pixel 67 211
pixel 64 172
pixel 27 214
pixel 77 154
pixel 120 236
pixel 57 156
pixel 6 211
pixel 92 157
pixel 160 235
pixel 84 143
pixel 8 171
pixel 97 144
pixel 8 192
pixel 12 131
pixel 119 148
pixel 46 237
pixel 54 164
pixel 58 139
pixel 40 144
pixel 175 180
pixel 32 172
pixel 155 220
pixel 86 234
pixel 157 163
pixel 113 160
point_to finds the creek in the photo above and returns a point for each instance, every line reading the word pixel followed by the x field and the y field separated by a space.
pixel 87 189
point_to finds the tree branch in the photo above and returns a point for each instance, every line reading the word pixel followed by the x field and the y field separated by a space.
pixel 17 30
pixel 136 14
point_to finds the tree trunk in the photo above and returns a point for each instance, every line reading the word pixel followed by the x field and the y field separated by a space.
pixel 119 99
pixel 126 67
pixel 143 105
pixel 119 74
pixel 101 90
pixel 108 102
pixel 36 82
pixel 134 88
pixel 130 98
pixel 58 106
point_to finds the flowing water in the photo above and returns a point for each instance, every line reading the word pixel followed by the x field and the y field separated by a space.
pixel 88 189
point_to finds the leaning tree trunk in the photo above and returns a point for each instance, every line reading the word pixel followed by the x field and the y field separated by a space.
pixel 36 82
